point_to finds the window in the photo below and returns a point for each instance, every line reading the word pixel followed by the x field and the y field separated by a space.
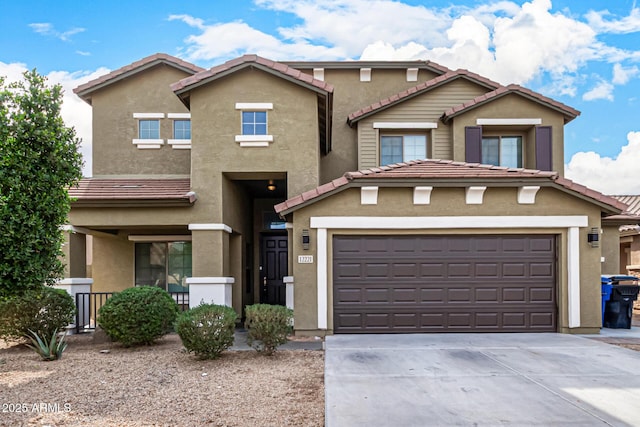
pixel 254 122
pixel 149 129
pixel 402 148
pixel 182 129
pixel 502 151
pixel 163 264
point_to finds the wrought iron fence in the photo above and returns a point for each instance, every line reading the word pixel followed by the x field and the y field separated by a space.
pixel 88 304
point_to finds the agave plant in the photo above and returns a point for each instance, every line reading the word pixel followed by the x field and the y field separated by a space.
pixel 51 350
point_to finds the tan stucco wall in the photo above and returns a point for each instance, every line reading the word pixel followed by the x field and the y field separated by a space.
pixel 114 127
pixel 292 122
pixel 450 202
pixel 610 243
pixel 74 255
pixel 509 107
pixel 350 95
pixel 427 107
pixel 129 217
pixel 113 264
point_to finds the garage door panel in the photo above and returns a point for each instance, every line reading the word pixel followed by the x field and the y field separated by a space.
pixel 444 284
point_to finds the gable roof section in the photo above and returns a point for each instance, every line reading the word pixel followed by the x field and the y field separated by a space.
pixel 630 219
pixel 84 91
pixel 568 112
pixel 449 172
pixel 112 192
pixel 276 68
pixel 423 87
pixel 323 89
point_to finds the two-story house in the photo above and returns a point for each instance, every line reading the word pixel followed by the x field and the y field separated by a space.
pixel 408 197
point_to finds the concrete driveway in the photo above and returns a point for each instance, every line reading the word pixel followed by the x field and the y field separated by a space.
pixel 479 379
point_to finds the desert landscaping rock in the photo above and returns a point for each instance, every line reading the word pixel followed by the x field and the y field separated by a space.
pixel 159 385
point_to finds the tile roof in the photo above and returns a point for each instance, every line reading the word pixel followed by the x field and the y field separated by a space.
pixel 110 191
pixel 433 169
pixel 570 113
pixel 419 89
pixel 426 64
pixel 633 203
pixel 274 67
pixel 85 89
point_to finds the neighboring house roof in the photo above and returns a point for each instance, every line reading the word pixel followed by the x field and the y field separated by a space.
pixel 630 219
pixel 94 192
pixel 277 68
pixel 418 90
pixel 447 171
pixel 569 113
pixel 84 91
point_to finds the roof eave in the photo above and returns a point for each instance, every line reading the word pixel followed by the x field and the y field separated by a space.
pixel 132 203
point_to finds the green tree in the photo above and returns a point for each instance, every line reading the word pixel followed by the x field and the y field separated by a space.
pixel 39 160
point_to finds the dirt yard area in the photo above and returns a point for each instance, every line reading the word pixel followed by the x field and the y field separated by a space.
pixel 160 385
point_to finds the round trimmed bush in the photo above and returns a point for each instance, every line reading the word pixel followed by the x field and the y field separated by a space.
pixel 267 326
pixel 42 310
pixel 138 315
pixel 207 330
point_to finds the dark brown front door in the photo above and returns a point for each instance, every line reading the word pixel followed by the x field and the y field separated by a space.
pixel 489 283
pixel 274 267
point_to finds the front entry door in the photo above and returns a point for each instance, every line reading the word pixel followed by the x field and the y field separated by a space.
pixel 274 259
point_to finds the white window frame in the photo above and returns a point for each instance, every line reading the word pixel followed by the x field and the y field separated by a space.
pixel 403 135
pixel 148 143
pixel 179 144
pixel 254 140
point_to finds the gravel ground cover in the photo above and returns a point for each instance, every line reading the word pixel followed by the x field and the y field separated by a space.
pixel 160 385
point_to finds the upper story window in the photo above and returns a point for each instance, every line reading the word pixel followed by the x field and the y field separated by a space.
pixel 402 148
pixel 182 129
pixel 502 151
pixel 149 129
pixel 148 135
pixel 254 122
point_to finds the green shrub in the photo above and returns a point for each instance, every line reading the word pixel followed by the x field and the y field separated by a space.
pixel 51 349
pixel 207 330
pixel 42 310
pixel 267 326
pixel 138 315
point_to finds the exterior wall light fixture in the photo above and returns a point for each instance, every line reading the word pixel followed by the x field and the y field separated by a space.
pixel 594 237
pixel 305 239
pixel 271 186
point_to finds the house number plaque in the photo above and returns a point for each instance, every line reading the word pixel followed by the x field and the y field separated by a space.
pixel 305 259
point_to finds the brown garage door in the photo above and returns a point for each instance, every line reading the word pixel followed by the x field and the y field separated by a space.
pixel 402 284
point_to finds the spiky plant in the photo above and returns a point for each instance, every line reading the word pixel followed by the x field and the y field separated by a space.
pixel 48 350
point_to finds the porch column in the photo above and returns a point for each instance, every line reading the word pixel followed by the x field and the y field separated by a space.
pixel 211 280
pixel 75 282
pixel 288 282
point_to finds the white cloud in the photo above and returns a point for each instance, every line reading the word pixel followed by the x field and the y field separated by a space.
pixel 603 90
pixel 75 112
pixel 608 175
pixel 47 29
pixel 622 75
pixel 628 24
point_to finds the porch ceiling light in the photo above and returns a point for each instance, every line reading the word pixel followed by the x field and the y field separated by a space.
pixel 271 186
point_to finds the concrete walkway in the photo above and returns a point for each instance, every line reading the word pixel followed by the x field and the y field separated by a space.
pixel 480 380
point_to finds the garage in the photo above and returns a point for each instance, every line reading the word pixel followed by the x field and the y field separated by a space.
pixel 444 283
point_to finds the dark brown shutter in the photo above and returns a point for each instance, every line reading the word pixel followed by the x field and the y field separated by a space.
pixel 473 142
pixel 543 148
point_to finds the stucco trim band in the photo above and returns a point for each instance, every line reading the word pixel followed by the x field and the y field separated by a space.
pixel 210 227
pixel 254 105
pixel 180 144
pixel 148 115
pixel 571 222
pixel 179 115
pixel 508 122
pixel 148 143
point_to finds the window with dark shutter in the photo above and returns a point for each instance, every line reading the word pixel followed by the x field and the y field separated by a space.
pixel 473 144
pixel 543 148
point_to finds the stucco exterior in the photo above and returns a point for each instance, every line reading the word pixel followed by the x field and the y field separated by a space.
pixel 224 208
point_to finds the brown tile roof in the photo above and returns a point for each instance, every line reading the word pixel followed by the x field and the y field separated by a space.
pixel 447 170
pixel 417 90
pixel 114 191
pixel 633 203
pixel 428 65
pixel 570 113
pixel 85 89
pixel 274 67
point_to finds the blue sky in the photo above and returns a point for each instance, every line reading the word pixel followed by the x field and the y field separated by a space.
pixel 584 53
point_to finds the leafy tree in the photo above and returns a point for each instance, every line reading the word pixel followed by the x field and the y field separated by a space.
pixel 39 160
